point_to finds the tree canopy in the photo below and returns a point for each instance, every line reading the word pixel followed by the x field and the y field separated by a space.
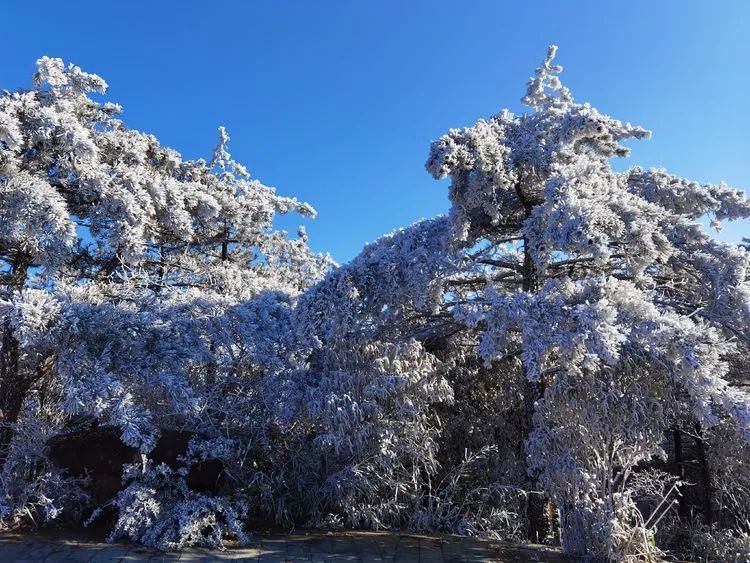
pixel 560 358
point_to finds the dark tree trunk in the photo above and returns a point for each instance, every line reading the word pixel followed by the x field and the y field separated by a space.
pixel 225 245
pixel 13 389
pixel 537 506
pixel 13 386
pixel 678 469
pixel 705 477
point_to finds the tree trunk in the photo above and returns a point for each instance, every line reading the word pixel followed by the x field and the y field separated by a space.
pixel 13 386
pixel 12 389
pixel 537 508
pixel 705 476
pixel 679 470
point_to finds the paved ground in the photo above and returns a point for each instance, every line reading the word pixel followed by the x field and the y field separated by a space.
pixel 316 547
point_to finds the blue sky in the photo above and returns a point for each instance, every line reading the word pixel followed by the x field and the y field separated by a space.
pixel 336 102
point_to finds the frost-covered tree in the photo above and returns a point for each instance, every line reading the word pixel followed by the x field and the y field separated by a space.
pixel 400 419
pixel 522 366
pixel 126 270
pixel 369 383
pixel 620 311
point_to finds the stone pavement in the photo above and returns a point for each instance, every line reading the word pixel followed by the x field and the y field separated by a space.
pixel 313 547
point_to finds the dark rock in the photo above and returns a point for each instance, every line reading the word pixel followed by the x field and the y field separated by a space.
pixel 205 476
pixel 170 446
pixel 86 448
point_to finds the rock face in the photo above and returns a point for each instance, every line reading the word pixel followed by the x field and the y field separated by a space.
pixel 204 477
pixel 86 448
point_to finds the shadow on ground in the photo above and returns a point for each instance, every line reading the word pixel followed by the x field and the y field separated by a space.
pixel 314 547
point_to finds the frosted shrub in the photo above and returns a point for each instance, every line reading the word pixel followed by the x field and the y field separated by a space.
pixel 34 491
pixel 372 440
pixel 156 508
pixel 715 544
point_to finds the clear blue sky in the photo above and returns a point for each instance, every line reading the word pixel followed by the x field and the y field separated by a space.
pixel 336 102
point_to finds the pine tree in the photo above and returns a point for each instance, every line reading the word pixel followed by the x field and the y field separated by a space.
pixel 621 310
pixel 126 269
